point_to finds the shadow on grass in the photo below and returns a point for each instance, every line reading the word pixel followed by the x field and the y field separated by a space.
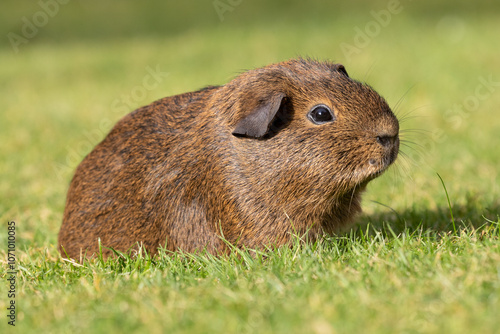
pixel 471 215
pixel 474 218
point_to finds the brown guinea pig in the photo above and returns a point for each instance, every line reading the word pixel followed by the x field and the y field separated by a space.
pixel 281 150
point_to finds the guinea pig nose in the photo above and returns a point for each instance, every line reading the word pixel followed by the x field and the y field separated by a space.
pixel 386 140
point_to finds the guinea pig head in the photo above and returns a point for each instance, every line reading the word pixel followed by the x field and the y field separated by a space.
pixel 306 129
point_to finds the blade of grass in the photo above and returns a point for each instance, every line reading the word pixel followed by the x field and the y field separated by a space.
pixel 449 204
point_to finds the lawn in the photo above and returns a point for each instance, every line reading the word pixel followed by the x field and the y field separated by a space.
pixel 410 264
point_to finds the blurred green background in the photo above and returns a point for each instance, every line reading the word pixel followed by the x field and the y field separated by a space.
pixel 69 69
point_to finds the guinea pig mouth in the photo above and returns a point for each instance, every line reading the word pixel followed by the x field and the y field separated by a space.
pixel 378 167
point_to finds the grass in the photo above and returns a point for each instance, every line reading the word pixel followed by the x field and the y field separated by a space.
pixel 370 281
pixel 409 265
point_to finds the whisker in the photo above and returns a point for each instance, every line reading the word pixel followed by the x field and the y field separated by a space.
pixel 409 145
pixel 398 104
pixel 408 115
pixel 399 170
pixel 352 196
pixel 412 145
pixel 368 72
pixel 405 165
pixel 418 131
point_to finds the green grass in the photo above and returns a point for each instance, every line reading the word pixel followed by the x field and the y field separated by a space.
pixel 407 266
pixel 369 282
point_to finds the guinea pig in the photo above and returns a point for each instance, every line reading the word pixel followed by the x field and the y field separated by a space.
pixel 280 150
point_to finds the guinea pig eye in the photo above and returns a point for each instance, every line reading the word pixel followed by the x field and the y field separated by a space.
pixel 321 114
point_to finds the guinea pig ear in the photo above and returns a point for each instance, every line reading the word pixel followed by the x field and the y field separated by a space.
pixel 340 68
pixel 258 122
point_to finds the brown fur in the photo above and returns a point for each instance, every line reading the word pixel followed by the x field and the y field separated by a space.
pixel 240 160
